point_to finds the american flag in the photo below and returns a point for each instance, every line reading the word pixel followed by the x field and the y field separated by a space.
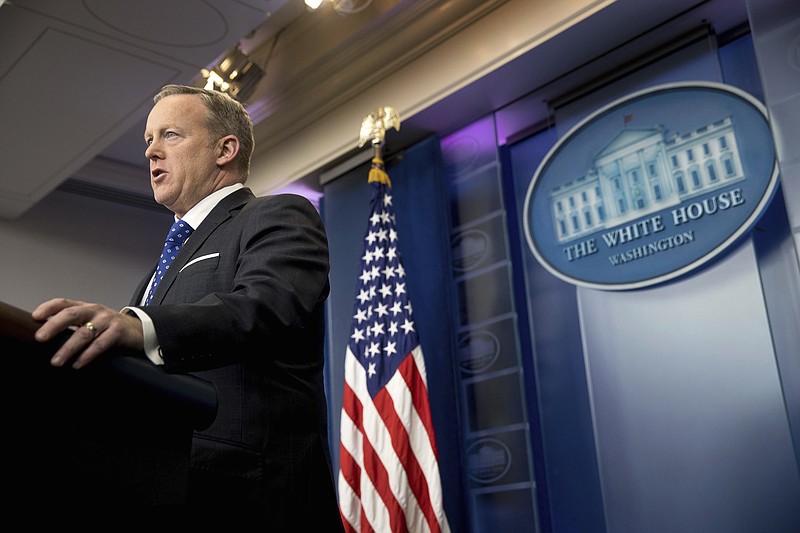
pixel 389 471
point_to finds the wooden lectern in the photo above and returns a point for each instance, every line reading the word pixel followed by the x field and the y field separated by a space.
pixel 113 436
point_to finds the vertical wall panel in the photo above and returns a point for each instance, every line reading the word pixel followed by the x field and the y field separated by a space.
pixel 567 439
pixel 497 431
pixel 692 434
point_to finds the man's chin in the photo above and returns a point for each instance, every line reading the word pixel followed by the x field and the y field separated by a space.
pixel 163 199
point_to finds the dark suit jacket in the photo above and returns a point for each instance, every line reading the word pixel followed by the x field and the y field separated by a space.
pixel 242 307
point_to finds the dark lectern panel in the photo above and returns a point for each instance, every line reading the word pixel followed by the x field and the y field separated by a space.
pixel 113 438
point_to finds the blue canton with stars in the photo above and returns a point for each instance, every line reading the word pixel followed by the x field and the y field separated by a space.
pixel 383 332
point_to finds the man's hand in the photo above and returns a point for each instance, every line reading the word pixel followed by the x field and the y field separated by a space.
pixel 96 329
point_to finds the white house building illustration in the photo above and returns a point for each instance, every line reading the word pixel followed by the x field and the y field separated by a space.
pixel 641 171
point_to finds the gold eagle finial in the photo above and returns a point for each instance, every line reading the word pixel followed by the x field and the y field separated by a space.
pixel 374 125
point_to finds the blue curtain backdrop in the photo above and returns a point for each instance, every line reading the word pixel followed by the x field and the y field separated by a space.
pixel 421 209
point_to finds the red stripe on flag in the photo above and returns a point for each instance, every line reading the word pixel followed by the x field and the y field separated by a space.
pixel 419 394
pixel 377 473
pixel 349 467
pixel 351 472
pixel 402 447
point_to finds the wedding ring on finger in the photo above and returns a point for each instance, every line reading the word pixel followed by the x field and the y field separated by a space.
pixel 91 328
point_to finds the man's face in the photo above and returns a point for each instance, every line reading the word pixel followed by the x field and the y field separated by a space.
pixel 183 168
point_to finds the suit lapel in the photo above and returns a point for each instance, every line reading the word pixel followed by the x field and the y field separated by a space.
pixel 217 216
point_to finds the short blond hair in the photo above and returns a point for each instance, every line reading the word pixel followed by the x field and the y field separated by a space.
pixel 226 116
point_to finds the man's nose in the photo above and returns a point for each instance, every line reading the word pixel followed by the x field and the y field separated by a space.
pixel 150 152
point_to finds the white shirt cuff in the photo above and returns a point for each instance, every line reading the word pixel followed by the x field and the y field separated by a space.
pixel 151 347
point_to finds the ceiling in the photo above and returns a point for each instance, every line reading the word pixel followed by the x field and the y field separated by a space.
pixel 77 76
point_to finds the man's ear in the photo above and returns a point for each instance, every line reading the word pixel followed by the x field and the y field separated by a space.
pixel 227 149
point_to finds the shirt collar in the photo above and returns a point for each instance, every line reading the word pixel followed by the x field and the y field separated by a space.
pixel 195 216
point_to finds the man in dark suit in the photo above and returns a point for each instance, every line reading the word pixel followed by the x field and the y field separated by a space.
pixel 241 306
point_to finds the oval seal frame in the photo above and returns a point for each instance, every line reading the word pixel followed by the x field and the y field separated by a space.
pixel 651 186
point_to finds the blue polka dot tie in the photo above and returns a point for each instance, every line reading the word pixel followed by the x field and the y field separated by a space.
pixel 177 235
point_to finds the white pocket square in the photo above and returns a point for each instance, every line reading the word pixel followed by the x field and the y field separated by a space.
pixel 196 259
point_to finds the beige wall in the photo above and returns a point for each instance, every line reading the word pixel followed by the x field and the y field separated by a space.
pixel 78 247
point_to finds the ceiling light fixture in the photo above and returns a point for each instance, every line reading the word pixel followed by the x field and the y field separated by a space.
pixel 234 73
pixel 343 7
